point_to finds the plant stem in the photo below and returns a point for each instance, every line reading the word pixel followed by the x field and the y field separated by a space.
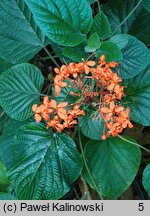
pixel 127 17
pixel 87 168
pixel 86 194
pixel 47 57
pixel 51 57
pixel 2 114
pixel 133 143
pixel 44 95
pixel 74 133
pixel 99 7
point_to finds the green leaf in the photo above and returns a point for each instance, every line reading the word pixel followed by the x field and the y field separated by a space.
pixel 140 28
pixel 91 126
pixel 111 51
pixel 76 53
pixel 146 179
pixel 20 38
pixel 113 163
pixel 116 13
pixel 137 97
pixel 64 22
pixel 20 88
pixel 146 5
pixel 93 43
pixel 58 49
pixel 6 139
pixel 91 1
pixel 7 196
pixel 3 119
pixel 3 175
pixel 4 65
pixel 138 22
pixel 136 56
pixel 45 163
pixel 101 25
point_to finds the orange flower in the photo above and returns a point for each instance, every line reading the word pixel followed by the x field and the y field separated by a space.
pixel 55 123
pixel 40 112
pixel 87 65
pixel 58 84
pixel 60 108
pixel 76 111
pixel 112 110
pixel 119 91
pixel 114 81
pixel 102 60
pixel 113 64
pixel 73 69
pixel 123 119
pixel 108 113
pixel 115 129
pixel 108 98
pixel 34 107
pixel 38 118
pixel 69 122
pixel 63 71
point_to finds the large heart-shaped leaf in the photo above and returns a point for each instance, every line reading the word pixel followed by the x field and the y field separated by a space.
pixel 91 126
pixel 113 164
pixel 137 97
pixel 64 22
pixel 136 56
pixel 146 179
pixel 20 38
pixel 45 163
pixel 20 88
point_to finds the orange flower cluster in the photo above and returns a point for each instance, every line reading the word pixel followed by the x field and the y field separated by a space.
pixel 57 116
pixel 105 95
pixel 115 116
pixel 72 70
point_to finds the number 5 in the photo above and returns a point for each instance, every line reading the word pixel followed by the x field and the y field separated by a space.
pixel 141 206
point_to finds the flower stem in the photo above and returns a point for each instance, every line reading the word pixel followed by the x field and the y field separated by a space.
pixel 86 166
pixel 51 57
pixel 133 143
pixel 126 17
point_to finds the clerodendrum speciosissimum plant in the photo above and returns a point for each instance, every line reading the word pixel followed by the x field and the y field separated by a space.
pixel 105 96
